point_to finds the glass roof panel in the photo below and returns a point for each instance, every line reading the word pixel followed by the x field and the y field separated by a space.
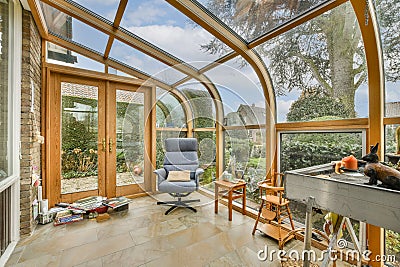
pixel 69 28
pixel 253 18
pixel 61 56
pixel 145 63
pixel 319 68
pixel 241 94
pixel 106 9
pixel 164 26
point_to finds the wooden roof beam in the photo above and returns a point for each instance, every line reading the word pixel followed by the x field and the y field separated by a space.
pixel 117 21
pixel 38 16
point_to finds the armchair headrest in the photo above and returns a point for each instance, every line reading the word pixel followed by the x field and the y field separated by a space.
pixel 180 144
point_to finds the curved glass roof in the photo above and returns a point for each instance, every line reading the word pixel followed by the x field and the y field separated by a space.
pixel 174 42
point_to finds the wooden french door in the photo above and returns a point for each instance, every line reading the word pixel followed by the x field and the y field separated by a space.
pixel 100 138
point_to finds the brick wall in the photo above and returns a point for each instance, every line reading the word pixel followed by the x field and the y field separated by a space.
pixel 31 151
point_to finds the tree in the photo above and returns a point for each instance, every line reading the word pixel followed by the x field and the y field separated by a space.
pixel 323 55
pixel 310 107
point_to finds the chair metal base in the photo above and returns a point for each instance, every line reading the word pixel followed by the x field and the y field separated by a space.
pixel 178 204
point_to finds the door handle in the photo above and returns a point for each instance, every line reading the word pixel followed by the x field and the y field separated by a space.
pixel 103 143
pixel 110 143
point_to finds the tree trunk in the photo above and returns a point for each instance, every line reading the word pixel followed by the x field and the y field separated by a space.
pixel 342 45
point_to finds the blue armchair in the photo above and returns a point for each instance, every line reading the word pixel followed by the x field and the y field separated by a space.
pixel 180 155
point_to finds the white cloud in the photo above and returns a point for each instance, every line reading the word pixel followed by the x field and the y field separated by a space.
pixel 183 43
pixel 143 14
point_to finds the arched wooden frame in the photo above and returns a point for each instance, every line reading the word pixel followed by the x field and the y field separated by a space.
pixel 376 87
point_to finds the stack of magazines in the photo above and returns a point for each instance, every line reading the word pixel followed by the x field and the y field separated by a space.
pixel 67 216
pixel 116 202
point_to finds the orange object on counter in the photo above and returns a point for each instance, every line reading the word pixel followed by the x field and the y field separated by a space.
pixel 350 162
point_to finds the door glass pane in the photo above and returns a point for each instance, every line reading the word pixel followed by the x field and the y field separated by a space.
pixel 79 131
pixel 130 137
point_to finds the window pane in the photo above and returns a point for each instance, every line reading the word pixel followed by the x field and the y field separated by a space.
pixel 72 29
pixel 4 114
pixel 203 106
pixel 61 56
pixel 207 160
pixel 169 112
pixel 392 146
pixel 251 19
pixel 130 122
pixel 319 68
pixel 79 132
pixel 300 150
pixel 242 98
pixel 388 19
pixel 245 155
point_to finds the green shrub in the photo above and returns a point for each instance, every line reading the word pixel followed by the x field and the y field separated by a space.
pixel 309 149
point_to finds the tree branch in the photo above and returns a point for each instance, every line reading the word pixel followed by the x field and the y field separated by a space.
pixel 315 71
pixel 360 81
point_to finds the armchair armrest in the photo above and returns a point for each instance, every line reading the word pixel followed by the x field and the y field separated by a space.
pixel 199 171
pixel 161 175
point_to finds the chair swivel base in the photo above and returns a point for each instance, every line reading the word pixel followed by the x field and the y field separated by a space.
pixel 178 204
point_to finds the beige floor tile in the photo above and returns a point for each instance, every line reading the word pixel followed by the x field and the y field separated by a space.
pixel 42 261
pixel 145 234
pixel 138 255
pixel 56 245
pixel 94 250
pixel 92 263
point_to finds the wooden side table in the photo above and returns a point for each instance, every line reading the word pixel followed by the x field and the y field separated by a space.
pixel 230 191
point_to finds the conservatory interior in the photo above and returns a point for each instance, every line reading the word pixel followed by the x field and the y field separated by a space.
pixel 278 96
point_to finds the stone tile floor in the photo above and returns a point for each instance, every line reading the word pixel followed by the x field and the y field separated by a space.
pixel 144 236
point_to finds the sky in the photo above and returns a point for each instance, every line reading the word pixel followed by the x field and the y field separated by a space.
pixel 159 23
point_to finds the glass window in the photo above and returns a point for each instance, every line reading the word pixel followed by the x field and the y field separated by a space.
pixel 169 112
pixel 61 56
pixel 388 19
pixel 4 96
pixel 243 99
pixel 319 68
pixel 392 156
pixel 245 158
pixel 164 26
pixel 207 160
pixel 300 150
pixel 251 19
pixel 143 62
pixel 201 102
pixel 69 28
